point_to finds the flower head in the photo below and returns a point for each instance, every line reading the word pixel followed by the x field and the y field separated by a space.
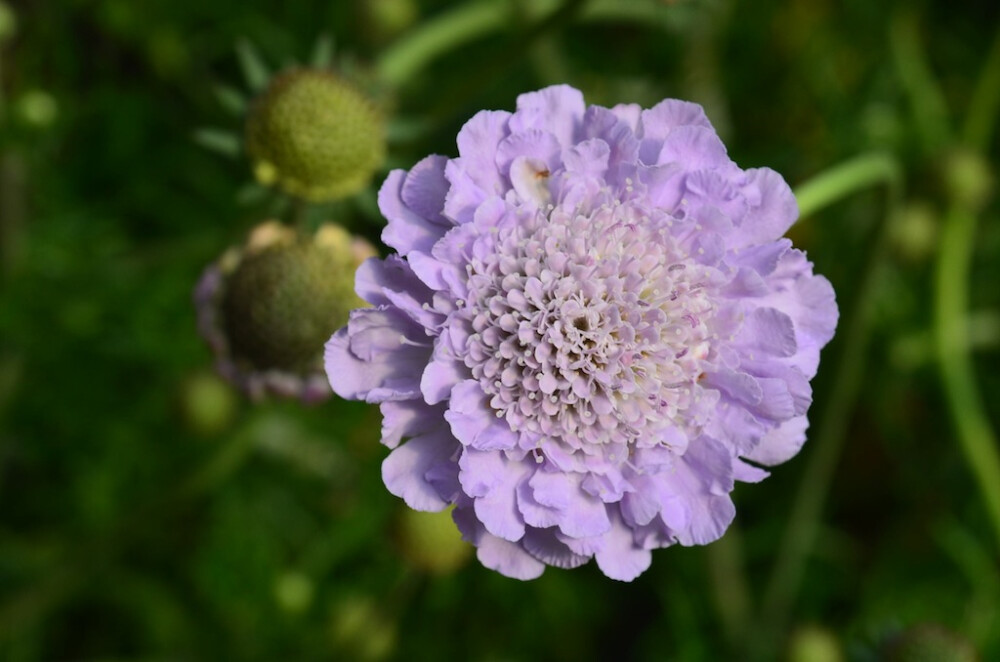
pixel 314 135
pixel 266 308
pixel 592 321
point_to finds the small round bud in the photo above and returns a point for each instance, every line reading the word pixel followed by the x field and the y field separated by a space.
pixel 386 19
pixel 914 231
pixel 314 136
pixel 207 404
pixel 267 308
pixel 282 304
pixel 969 179
pixel 431 542
pixel 814 644
pixel 37 108
pixel 293 592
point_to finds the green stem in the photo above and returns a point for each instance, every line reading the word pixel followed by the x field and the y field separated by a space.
pixel 951 296
pixel 845 179
pixel 468 22
pixel 463 24
pixel 926 98
pixel 730 590
pixel 985 104
pixel 804 521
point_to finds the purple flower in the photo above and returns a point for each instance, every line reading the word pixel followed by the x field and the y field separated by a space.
pixel 590 324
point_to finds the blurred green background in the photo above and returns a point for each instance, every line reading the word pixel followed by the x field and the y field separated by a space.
pixel 149 512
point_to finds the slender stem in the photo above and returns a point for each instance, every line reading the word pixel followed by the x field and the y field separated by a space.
pixel 951 295
pixel 463 24
pixel 730 590
pixel 470 21
pixel 980 121
pixel 951 301
pixel 845 179
pixel 926 98
pixel 804 522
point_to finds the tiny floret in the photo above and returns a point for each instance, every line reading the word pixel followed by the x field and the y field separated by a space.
pixel 603 330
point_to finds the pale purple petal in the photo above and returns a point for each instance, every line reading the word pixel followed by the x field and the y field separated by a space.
pixel 782 443
pixel 477 146
pixel 407 418
pixel 371 359
pixel 558 109
pixel 776 211
pixel 425 188
pixel 473 422
pixel 508 558
pixel 620 557
pixel 405 470
pixel 406 229
pixel 546 547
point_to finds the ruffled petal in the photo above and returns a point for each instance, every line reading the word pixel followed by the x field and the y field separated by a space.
pixel 473 422
pixel 477 147
pixel 547 548
pixel 406 229
pixel 621 558
pixel 378 356
pixel 782 443
pixel 407 418
pixel 557 109
pixel 696 503
pixel 406 469
pixel 425 189
pixel 508 558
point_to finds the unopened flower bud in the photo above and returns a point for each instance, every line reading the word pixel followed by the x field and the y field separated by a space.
pixel 430 541
pixel 314 136
pixel 267 308
pixel 969 179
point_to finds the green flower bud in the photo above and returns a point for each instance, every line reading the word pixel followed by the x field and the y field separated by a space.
pixel 285 301
pixel 37 108
pixel 207 404
pixel 267 308
pixel 431 542
pixel 293 592
pixel 969 179
pixel 814 644
pixel 314 136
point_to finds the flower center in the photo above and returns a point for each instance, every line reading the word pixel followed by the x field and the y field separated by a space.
pixel 589 327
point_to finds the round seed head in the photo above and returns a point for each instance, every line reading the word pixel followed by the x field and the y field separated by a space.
pixel 314 136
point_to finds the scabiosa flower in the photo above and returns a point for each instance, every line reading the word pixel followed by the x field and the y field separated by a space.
pixel 266 308
pixel 590 325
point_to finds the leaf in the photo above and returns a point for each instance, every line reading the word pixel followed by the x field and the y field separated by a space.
pixel 254 70
pixel 220 141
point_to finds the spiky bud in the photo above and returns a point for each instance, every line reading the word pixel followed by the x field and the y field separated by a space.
pixel 314 136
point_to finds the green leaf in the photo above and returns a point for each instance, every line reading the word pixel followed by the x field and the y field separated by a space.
pixel 220 141
pixel 322 56
pixel 231 99
pixel 254 70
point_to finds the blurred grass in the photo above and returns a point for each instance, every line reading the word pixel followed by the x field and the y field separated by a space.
pixel 129 531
